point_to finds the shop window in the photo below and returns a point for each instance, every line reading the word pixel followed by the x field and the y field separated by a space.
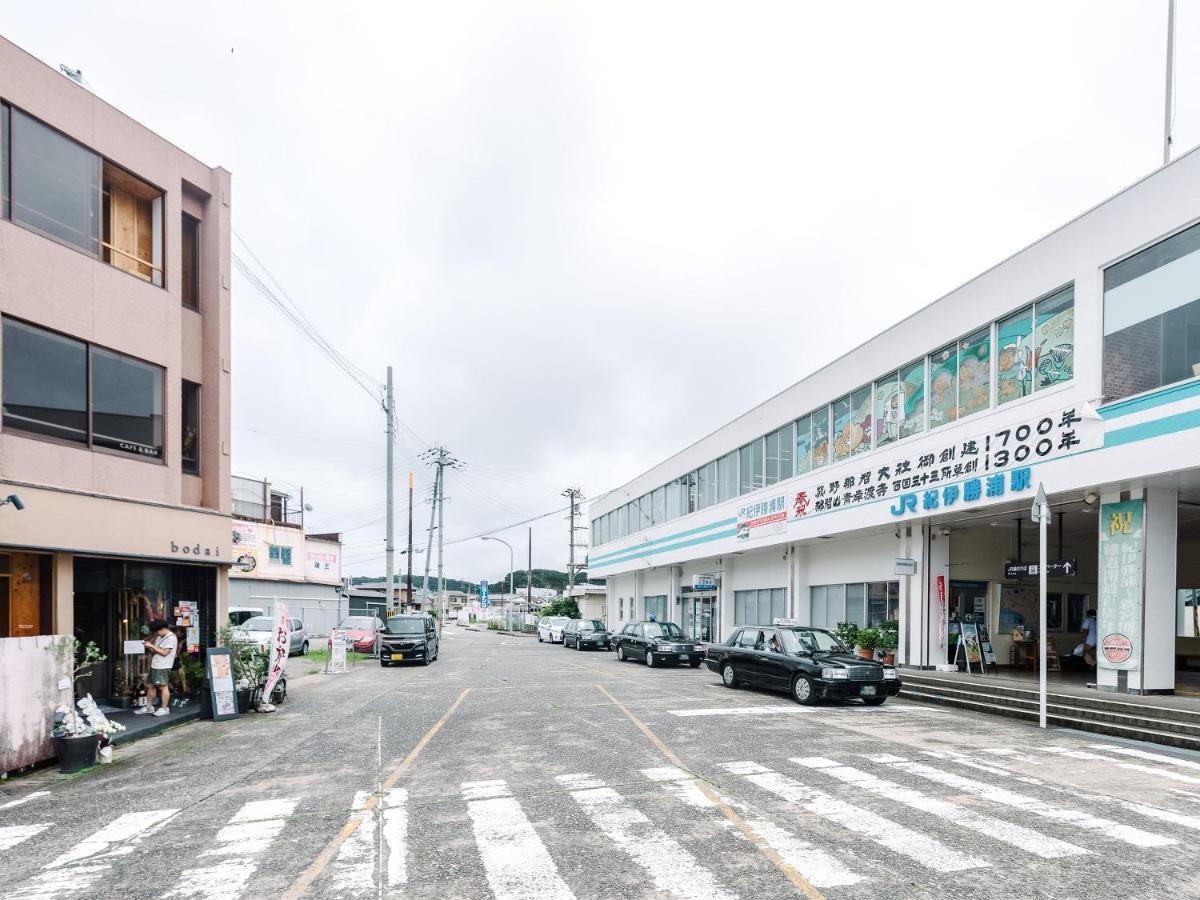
pixel 127 404
pixel 189 421
pixel 132 225
pixel 54 184
pixel 674 499
pixel 727 477
pixel 658 506
pixel 189 262
pixel 281 556
pixel 759 607
pixel 820 437
pixel 974 372
pixel 778 447
pixel 943 386
pixel 44 383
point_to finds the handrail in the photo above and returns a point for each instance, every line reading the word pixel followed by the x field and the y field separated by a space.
pixel 136 259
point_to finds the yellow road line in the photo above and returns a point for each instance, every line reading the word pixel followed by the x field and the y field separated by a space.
pixel 751 835
pixel 325 857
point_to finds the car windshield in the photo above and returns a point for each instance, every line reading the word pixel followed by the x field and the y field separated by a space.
pixel 259 623
pixel 405 625
pixel 811 640
pixel 358 622
pixel 555 621
pixel 591 625
pixel 663 629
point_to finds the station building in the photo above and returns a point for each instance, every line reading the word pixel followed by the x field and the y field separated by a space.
pixel 896 483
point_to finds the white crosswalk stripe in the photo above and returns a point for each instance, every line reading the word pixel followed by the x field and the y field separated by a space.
pixel 21 801
pixel 1143 754
pixel 11 835
pixel 1029 804
pixel 517 863
pixel 78 869
pixel 673 870
pixel 1133 767
pixel 247 835
pixel 918 847
pixel 817 866
pixel 357 870
pixel 1022 838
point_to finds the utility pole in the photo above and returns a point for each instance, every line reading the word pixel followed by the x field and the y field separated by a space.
pixel 440 458
pixel 390 548
pixel 573 495
pixel 1170 81
pixel 1041 514
pixel 437 483
pixel 529 576
pixel 408 580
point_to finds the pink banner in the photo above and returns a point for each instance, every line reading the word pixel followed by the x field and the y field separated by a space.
pixel 280 645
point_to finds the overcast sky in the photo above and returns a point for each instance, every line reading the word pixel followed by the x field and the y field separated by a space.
pixel 569 226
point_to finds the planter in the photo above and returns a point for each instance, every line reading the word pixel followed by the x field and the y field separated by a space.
pixel 76 752
pixel 889 659
pixel 865 654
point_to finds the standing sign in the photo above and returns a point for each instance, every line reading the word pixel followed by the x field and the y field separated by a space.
pixel 1121 552
pixel 337 650
pixel 970 641
pixel 279 650
pixel 218 664
pixel 985 645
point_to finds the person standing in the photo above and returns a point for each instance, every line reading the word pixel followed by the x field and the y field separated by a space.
pixel 163 647
pixel 1089 639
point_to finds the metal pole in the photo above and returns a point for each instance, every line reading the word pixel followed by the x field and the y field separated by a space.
pixel 529 575
pixel 1044 513
pixel 408 580
pixel 1170 81
pixel 511 596
pixel 441 518
pixel 437 481
pixel 389 547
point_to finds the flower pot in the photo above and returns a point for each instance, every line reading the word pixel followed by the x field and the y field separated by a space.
pixel 865 654
pixel 889 659
pixel 76 752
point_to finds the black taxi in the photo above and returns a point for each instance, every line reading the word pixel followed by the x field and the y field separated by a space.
pixel 809 663
pixel 657 644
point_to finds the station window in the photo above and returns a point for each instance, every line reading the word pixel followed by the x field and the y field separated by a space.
pixel 674 499
pixel 656 606
pixel 727 477
pixel 779 448
pixel 759 607
pixel 864 603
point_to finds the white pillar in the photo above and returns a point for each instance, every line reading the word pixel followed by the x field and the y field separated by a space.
pixel 935 606
pixel 803 611
pixel 1162 539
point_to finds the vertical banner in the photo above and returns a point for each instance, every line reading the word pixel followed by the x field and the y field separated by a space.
pixel 1120 610
pixel 280 645
pixel 941 592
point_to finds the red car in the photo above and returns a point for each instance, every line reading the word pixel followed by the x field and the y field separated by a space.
pixel 362 633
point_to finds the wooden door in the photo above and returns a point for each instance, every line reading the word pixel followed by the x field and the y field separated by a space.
pixel 25 600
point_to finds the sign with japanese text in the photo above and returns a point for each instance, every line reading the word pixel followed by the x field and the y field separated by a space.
pixel 338 640
pixel 1120 609
pixel 280 643
pixel 484 600
pixel 1055 568
pixel 933 476
pixel 970 641
pixel 245 536
pixel 218 664
pixel 763 517
pixel 704 582
pixel 941 599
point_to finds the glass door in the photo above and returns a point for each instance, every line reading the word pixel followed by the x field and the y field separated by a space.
pixel 700 618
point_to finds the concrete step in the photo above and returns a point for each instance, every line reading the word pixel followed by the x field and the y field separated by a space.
pixel 1160 725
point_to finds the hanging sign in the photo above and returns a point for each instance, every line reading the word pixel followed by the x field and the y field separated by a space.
pixel 906 567
pixel 704 582
pixel 279 650
pixel 1120 608
pixel 764 517
pixel 1055 568
pixel 218 665
pixel 941 596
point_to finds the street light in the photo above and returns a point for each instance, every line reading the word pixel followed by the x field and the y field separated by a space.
pixel 511 566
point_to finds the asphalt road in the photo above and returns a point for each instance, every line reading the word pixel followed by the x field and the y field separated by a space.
pixel 515 769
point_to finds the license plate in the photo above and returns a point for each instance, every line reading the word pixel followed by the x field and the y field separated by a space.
pixel 867 690
pixel 399 656
pixel 683 656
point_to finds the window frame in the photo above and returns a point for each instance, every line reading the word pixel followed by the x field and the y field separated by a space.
pixel 184 219
pixel 184 384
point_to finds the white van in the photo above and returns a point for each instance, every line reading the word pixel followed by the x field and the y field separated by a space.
pixel 239 614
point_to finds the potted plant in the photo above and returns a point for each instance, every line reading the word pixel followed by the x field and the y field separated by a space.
pixel 847 633
pixel 868 642
pixel 75 741
pixel 889 640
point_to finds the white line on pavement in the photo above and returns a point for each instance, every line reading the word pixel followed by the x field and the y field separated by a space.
pixel 23 800
pixel 395 837
pixel 821 869
pixel 1102 826
pixel 782 710
pixel 1023 838
pixel 517 863
pixel 920 848
pixel 11 835
pixel 1142 754
pixel 249 833
pixel 673 870
pixel 1134 767
pixel 354 869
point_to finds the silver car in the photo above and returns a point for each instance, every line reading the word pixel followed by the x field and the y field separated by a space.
pixel 551 629
pixel 261 629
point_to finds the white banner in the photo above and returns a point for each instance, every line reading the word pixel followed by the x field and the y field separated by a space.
pixel 280 645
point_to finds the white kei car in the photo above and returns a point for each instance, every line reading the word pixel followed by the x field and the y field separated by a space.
pixel 551 629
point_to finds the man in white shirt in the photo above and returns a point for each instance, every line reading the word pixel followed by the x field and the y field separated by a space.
pixel 163 647
pixel 1089 638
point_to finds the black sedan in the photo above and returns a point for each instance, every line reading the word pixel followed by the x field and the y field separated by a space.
pixel 586 634
pixel 657 643
pixel 809 663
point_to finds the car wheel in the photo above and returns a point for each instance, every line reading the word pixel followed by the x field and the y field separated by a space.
pixel 650 659
pixel 620 653
pixel 425 661
pixel 874 701
pixel 804 691
pixel 695 663
pixel 579 646
pixel 383 663
pixel 539 637
pixel 304 649
pixel 728 676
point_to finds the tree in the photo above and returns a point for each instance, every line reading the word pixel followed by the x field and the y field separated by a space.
pixel 565 606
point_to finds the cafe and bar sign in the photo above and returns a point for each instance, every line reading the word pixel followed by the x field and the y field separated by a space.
pixel 1122 548
pixel 931 475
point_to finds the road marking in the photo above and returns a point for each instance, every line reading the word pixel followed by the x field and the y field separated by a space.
pixel 1102 826
pixel 1134 767
pixel 783 710
pixel 355 871
pixel 318 865
pixel 1141 754
pixel 673 870
pixel 23 800
pixel 794 875
pixel 77 870
pixel 248 834
pixel 816 865
pixel 11 835
pixel 1022 838
pixel 920 848
pixel 517 863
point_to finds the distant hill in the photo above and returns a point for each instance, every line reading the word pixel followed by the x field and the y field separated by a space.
pixel 542 578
